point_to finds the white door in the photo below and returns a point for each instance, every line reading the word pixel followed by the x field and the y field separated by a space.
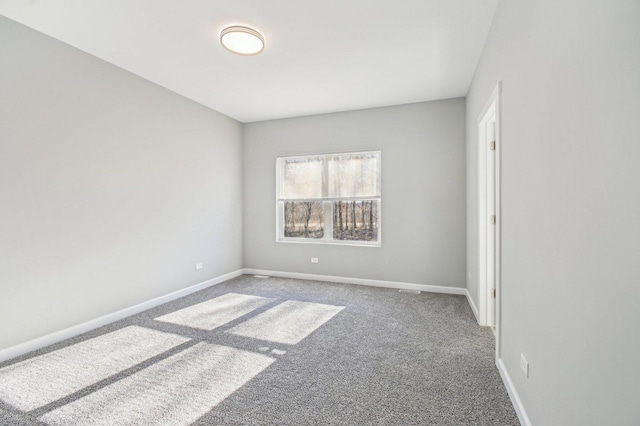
pixel 488 214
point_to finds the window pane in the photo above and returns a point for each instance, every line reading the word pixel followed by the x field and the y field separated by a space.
pixel 355 220
pixel 303 219
pixel 354 175
pixel 302 177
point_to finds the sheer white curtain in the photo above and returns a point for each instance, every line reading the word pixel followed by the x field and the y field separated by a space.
pixel 334 176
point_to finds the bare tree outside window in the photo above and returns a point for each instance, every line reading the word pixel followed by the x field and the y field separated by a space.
pixel 303 219
pixel 356 220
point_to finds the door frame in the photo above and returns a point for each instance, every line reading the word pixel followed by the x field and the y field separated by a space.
pixel 492 106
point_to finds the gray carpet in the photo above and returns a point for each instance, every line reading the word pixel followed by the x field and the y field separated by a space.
pixel 353 355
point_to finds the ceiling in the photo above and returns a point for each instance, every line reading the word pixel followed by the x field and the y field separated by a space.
pixel 321 55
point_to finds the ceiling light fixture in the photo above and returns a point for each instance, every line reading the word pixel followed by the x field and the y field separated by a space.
pixel 242 40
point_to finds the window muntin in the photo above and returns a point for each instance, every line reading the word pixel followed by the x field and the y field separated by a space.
pixel 331 198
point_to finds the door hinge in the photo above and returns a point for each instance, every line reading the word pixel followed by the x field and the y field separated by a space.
pixel 493 293
pixel 493 219
pixel 492 146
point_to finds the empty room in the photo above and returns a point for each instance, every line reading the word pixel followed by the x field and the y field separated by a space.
pixel 418 212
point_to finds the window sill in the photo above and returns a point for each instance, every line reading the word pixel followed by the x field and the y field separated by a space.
pixel 376 244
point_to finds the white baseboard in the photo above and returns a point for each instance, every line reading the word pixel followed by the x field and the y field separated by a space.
pixel 473 305
pixel 75 330
pixel 359 281
pixel 513 394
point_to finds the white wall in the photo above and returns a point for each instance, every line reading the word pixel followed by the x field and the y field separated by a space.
pixel 570 71
pixel 111 188
pixel 423 192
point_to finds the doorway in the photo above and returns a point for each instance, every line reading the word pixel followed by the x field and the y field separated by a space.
pixel 489 213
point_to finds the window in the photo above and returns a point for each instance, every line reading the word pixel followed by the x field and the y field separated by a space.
pixel 332 198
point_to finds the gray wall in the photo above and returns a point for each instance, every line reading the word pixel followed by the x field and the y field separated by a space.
pixel 571 203
pixel 111 187
pixel 423 192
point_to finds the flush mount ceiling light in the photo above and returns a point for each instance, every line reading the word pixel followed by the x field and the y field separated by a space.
pixel 242 40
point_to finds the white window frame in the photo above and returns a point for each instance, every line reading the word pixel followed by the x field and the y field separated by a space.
pixel 327 205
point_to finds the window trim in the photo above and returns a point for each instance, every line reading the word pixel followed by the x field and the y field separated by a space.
pixel 327 204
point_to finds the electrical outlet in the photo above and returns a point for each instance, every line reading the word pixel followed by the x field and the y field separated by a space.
pixel 524 365
pixel 314 260
pixel 198 266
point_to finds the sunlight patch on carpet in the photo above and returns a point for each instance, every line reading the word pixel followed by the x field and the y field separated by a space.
pixel 176 391
pixel 46 378
pixel 215 312
pixel 288 322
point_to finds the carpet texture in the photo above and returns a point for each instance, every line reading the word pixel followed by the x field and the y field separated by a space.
pixel 38 381
pixel 305 353
pixel 215 312
pixel 287 323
